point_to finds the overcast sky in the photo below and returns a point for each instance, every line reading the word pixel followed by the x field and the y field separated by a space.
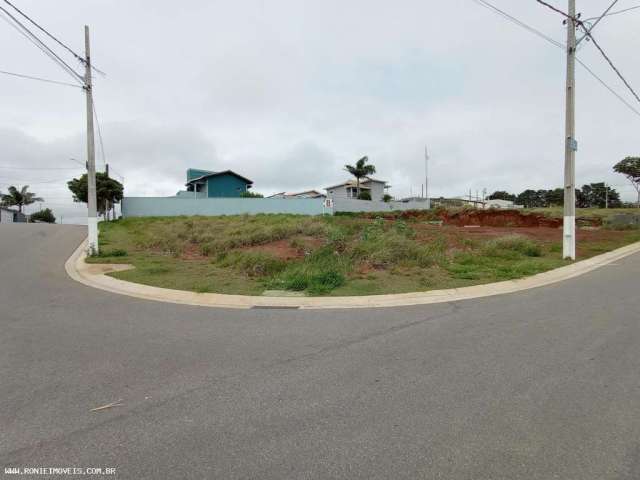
pixel 287 92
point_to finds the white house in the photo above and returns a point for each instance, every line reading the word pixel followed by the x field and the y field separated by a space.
pixel 8 215
pixel 349 189
pixel 306 194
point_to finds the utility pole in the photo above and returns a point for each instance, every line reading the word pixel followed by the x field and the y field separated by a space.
pixel 426 177
pixel 92 219
pixel 569 222
pixel 606 196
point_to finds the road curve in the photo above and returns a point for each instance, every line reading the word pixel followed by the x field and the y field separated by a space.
pixel 538 384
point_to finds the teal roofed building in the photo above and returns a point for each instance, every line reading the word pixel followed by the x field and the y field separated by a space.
pixel 208 184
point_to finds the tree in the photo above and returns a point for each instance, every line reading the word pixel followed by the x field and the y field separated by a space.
pixel 364 195
pixel 248 194
pixel 502 195
pixel 108 191
pixel 554 198
pixel 630 168
pixel 45 216
pixel 19 198
pixel 387 198
pixel 597 195
pixel 530 199
pixel 360 170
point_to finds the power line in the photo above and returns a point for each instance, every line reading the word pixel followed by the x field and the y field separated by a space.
pixel 518 22
pixel 8 167
pixel 42 29
pixel 555 9
pixel 20 75
pixel 595 43
pixel 21 28
pixel 591 27
pixel 102 154
pixel 617 95
pixel 615 69
pixel 618 12
pixel 555 43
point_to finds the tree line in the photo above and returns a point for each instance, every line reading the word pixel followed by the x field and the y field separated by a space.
pixel 593 195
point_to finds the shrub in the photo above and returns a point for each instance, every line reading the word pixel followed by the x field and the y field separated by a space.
pixel 253 263
pixel 111 253
pixel 326 281
pixel 512 244
pixel 248 194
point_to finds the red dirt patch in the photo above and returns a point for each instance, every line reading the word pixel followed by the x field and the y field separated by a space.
pixel 499 218
pixel 284 250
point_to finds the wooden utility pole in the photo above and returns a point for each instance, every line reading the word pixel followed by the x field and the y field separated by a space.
pixel 571 145
pixel 92 218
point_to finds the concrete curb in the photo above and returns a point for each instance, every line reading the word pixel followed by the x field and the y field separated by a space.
pixel 94 275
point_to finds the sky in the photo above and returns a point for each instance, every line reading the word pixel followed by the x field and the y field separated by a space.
pixel 288 92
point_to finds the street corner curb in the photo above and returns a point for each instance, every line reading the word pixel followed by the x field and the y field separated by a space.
pixel 95 275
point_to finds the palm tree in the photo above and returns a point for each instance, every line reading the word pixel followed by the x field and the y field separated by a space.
pixel 20 198
pixel 360 170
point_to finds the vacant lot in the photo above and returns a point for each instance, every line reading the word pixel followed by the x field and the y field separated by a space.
pixel 342 255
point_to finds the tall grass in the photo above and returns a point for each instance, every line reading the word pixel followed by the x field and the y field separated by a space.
pixel 342 249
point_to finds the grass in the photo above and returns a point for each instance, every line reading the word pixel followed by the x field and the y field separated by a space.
pixel 603 213
pixel 341 255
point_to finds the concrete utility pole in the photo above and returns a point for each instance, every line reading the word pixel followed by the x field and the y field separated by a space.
pixel 92 202
pixel 571 146
pixel 426 177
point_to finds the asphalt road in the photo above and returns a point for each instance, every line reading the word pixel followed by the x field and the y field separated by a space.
pixel 541 384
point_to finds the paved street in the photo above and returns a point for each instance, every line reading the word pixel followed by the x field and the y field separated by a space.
pixel 541 384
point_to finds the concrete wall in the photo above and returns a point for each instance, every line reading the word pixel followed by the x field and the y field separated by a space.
pixel 173 206
pixel 352 205
pixel 6 216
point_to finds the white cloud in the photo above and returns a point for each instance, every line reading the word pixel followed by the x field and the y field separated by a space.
pixel 287 92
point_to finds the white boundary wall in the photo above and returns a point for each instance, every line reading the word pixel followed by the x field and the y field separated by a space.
pixel 174 206
pixel 353 205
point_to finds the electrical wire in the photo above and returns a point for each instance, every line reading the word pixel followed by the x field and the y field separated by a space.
pixel 41 45
pixel 618 12
pixel 8 167
pixel 617 95
pixel 95 115
pixel 595 43
pixel 531 29
pixel 615 69
pixel 42 29
pixel 20 75
pixel 555 9
pixel 518 22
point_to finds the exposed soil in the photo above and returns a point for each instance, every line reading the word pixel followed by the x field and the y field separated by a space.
pixel 456 228
pixel 499 218
pixel 284 250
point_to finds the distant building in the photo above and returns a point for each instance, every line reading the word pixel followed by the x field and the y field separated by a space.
pixel 349 189
pixel 501 204
pixel 8 215
pixel 208 184
pixel 306 194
